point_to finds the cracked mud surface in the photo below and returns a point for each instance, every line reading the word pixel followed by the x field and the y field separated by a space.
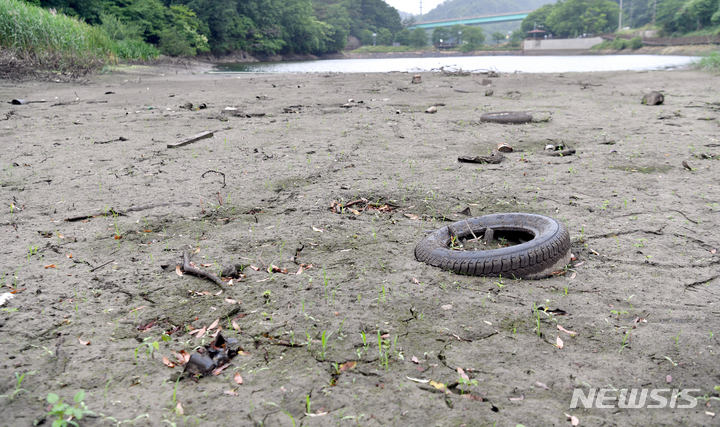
pixel 643 227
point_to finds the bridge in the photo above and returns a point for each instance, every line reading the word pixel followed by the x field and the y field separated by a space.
pixel 475 20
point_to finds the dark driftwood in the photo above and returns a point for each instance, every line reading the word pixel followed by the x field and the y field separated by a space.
pixel 493 159
pixel 200 273
pixel 198 137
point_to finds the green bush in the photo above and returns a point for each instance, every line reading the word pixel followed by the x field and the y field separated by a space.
pixel 635 43
pixel 619 43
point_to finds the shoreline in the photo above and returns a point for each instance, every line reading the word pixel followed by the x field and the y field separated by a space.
pixel 244 57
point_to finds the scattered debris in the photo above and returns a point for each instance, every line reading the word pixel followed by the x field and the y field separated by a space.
pixel 507 117
pixel 211 357
pixel 417 79
pixel 686 166
pixel 122 138
pixel 504 147
pixel 7 296
pixel 431 110
pixel 216 173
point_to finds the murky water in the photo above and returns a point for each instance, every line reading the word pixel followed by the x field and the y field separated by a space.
pixel 505 64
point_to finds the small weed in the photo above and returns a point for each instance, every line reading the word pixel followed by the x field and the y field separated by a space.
pixel 18 382
pixel 63 413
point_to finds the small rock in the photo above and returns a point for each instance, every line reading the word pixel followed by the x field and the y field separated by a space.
pixel 653 98
pixel 431 110
pixel 417 79
pixel 489 92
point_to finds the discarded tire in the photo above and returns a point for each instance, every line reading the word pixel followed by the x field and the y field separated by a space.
pixel 507 117
pixel 547 251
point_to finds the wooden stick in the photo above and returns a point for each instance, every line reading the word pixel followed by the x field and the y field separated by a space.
pixel 194 138
pixel 187 268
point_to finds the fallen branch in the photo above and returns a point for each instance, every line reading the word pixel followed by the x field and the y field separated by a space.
pixel 121 213
pixel 198 137
pixel 187 268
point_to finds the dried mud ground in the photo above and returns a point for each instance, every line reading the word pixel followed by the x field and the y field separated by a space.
pixel 641 295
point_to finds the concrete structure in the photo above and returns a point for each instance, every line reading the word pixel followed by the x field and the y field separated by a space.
pixel 475 20
pixel 560 46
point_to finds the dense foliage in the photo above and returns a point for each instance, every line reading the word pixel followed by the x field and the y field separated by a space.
pixel 464 8
pixel 572 18
pixel 189 27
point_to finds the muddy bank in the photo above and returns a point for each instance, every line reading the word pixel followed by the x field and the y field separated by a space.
pixel 337 322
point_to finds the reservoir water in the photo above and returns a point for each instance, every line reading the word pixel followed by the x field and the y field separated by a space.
pixel 504 64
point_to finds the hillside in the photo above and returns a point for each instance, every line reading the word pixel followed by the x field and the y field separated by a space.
pixel 464 8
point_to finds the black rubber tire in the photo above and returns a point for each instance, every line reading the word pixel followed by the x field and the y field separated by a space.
pixel 507 117
pixel 549 248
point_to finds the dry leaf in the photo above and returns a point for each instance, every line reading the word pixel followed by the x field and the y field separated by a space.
pixel 230 301
pixel 446 307
pixel 417 380
pixel 183 357
pixel 415 360
pixel 61 236
pixel 206 265
pixel 347 366
pixel 440 386
pixel 68 256
pixel 668 379
pixel 573 419
pixel 235 325
pixel 138 309
pixel 462 374
pixel 238 378
pixel 168 363
pixel 317 414
pixel 319 230
pixel 51 266
pixel 83 342
pixel 117 237
pixel 214 324
pixel 411 216
pixel 517 399
pixel 559 342
pixel 254 268
pixel 572 276
pixel 219 292
pixel 300 270
pixel 243 353
pixel 566 331
pixel 199 332
pixel 231 393
pixel 178 271
pixel 416 281
pixel 179 409
pixel 487 322
pixel 542 385
pixel 219 329
pixel 219 369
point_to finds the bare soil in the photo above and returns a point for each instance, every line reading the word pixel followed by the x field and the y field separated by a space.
pixel 356 337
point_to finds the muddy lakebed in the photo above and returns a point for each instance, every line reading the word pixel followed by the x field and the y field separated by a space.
pixel 336 322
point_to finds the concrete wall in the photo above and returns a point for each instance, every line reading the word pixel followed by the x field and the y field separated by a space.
pixel 531 46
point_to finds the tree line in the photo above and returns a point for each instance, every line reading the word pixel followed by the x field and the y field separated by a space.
pixel 572 18
pixel 189 27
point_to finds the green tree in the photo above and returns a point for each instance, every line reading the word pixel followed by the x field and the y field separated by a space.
pixel 574 17
pixel 441 33
pixel 384 37
pixel 473 35
pixel 498 36
pixel 516 38
pixel 418 38
pixel 366 37
pixel 538 18
pixel 403 37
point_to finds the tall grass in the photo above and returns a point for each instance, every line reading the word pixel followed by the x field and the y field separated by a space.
pixel 58 42
pixel 710 62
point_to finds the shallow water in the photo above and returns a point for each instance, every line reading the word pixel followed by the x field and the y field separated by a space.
pixel 505 64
